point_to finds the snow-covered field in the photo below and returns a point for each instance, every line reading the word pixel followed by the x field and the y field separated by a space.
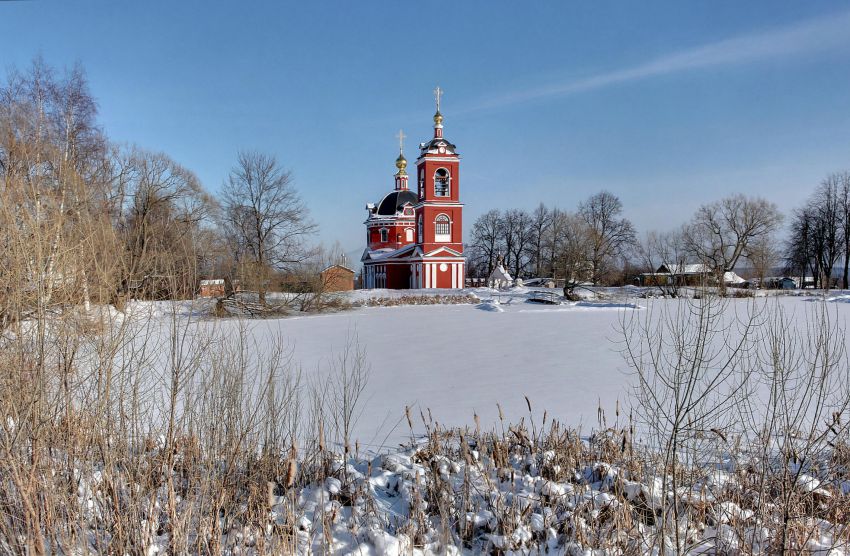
pixel 458 360
pixel 564 492
pixel 461 360
pixel 579 482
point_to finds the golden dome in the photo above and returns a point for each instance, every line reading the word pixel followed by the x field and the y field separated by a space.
pixel 438 118
pixel 401 164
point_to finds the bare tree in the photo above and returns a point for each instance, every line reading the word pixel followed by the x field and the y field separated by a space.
pixel 827 229
pixel 799 247
pixel 692 368
pixel 721 233
pixel 552 240
pixel 572 247
pixel 844 206
pixel 801 417
pixel 487 241
pixel 610 235
pixel 663 249
pixel 265 215
pixel 517 233
pixel 763 255
pixel 165 206
pixel 818 231
pixel 541 221
pixel 52 160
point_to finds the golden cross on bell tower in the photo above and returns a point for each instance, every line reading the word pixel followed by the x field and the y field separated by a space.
pixel 401 137
pixel 438 92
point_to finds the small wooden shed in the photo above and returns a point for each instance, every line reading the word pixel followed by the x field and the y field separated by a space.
pixel 212 288
pixel 337 278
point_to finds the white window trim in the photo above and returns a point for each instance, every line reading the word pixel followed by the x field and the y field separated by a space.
pixel 443 238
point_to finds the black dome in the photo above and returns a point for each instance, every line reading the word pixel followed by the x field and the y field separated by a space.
pixel 393 202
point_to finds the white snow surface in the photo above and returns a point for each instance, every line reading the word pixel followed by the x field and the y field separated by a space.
pixel 460 360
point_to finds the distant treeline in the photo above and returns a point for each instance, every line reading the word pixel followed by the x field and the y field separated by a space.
pixel 594 243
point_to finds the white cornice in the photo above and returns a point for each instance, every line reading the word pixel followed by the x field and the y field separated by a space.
pixel 433 204
pixel 455 158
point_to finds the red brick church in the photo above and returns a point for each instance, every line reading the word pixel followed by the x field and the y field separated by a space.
pixel 414 239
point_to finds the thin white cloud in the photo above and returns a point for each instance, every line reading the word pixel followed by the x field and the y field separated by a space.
pixel 814 35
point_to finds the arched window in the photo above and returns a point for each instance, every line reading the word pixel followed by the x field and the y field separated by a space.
pixel 421 183
pixel 408 234
pixel 442 180
pixel 384 234
pixel 419 229
pixel 442 228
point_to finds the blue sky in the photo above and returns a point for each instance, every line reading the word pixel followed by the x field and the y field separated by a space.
pixel 667 104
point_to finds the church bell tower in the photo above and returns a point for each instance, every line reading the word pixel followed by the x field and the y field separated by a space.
pixel 439 222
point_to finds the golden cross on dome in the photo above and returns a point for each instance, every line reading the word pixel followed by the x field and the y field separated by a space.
pixel 438 92
pixel 401 137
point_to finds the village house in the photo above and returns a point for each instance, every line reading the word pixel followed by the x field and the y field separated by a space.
pixel 212 288
pixel 337 278
pixel 779 283
pixel 691 275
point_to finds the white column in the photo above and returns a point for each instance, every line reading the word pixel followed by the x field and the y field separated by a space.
pixel 454 275
pixel 427 268
pixel 434 275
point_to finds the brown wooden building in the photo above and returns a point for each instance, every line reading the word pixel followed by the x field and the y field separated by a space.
pixel 337 278
pixel 212 288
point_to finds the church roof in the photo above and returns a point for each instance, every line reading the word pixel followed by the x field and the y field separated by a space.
pixel 387 252
pixel 393 202
pixel 433 146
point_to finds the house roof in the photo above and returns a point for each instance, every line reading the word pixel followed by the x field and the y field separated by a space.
pixel 732 278
pixel 669 268
pixel 500 273
pixel 387 252
pixel 341 267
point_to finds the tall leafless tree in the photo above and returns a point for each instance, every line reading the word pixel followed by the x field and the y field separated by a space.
pixel 722 232
pixel 541 220
pixel 827 229
pixel 164 209
pixel 52 165
pixel 818 234
pixel 763 255
pixel 610 234
pixel 573 246
pixel 843 180
pixel 487 241
pixel 799 247
pixel 264 213
pixel 517 231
